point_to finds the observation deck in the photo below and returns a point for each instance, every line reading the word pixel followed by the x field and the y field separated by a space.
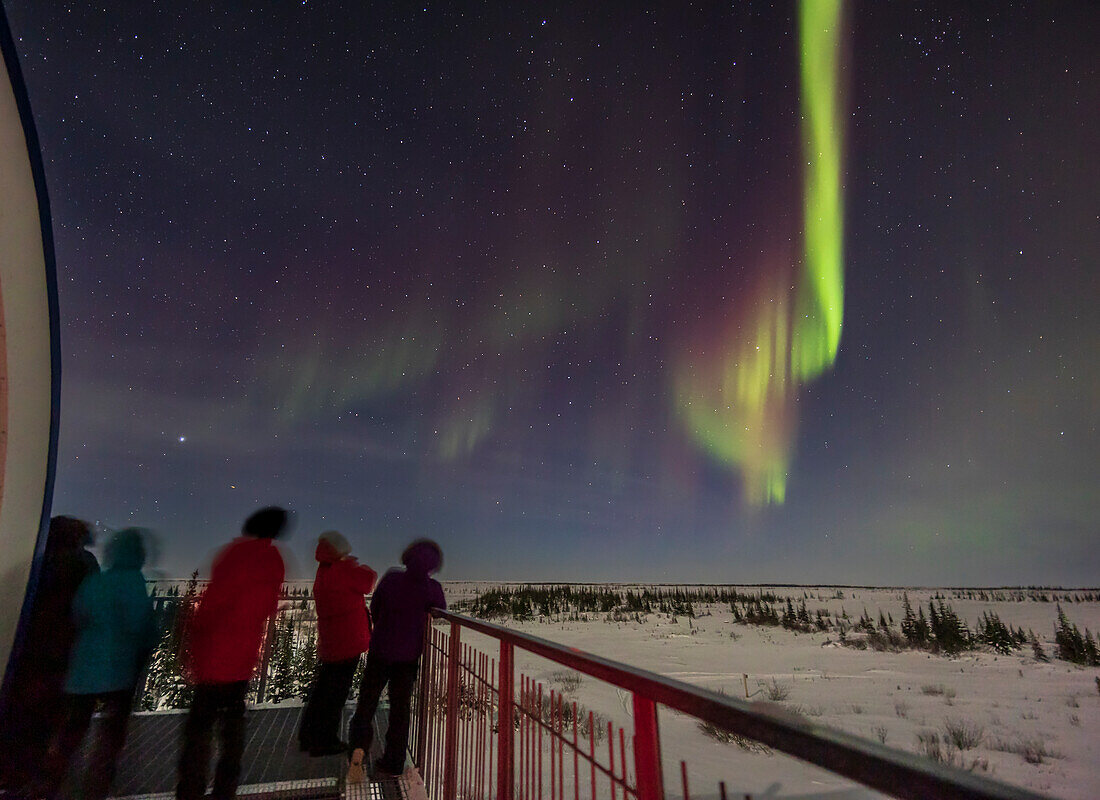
pixel 483 730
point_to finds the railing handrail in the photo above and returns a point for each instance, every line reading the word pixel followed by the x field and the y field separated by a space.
pixel 895 772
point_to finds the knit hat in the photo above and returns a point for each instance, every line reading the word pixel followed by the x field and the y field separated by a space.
pixel 337 542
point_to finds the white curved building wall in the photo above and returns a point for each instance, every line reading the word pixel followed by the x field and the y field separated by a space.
pixel 25 367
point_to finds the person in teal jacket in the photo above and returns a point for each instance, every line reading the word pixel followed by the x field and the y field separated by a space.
pixel 116 634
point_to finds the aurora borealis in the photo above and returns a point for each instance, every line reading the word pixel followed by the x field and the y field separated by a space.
pixel 804 293
pixel 736 399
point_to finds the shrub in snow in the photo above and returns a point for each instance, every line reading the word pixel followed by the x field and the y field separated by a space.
pixel 962 734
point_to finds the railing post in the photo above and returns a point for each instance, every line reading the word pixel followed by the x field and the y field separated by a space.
pixel 505 725
pixel 450 743
pixel 265 658
pixel 647 750
pixel 421 745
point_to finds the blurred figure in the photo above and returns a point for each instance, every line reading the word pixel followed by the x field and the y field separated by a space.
pixel 400 609
pixel 36 704
pixel 343 634
pixel 223 649
pixel 115 637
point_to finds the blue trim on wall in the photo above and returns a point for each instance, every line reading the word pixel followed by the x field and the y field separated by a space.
pixel 34 153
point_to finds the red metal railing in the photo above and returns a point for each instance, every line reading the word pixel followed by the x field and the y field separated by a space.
pixel 480 731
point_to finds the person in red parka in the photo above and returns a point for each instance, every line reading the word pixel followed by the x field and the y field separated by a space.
pixel 343 635
pixel 223 649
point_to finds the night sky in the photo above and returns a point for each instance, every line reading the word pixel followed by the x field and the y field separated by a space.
pixel 584 293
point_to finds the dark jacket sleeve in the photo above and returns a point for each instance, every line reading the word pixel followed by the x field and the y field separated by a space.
pixel 437 599
pixel 378 599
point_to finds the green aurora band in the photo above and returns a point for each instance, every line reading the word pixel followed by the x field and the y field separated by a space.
pixel 736 399
pixel 819 306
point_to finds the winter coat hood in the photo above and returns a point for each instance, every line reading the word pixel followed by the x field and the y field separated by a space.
pixel 422 557
pixel 67 533
pixel 126 549
pixel 331 547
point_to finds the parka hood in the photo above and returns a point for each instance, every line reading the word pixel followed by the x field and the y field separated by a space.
pixel 422 557
pixel 326 553
pixel 67 533
pixel 126 549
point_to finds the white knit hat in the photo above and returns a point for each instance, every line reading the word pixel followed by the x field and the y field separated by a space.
pixel 337 542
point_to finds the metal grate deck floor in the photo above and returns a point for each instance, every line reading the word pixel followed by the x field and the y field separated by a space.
pixel 272 767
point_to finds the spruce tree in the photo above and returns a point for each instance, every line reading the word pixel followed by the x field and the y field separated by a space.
pixel 909 623
pixel 176 690
pixel 305 665
pixel 1037 650
pixel 281 684
pixel 803 613
pixel 1092 655
pixel 1069 641
pixel 923 629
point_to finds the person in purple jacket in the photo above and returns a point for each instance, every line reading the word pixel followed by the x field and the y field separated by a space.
pixel 400 611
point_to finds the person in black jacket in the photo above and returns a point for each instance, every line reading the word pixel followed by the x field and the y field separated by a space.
pixel 37 702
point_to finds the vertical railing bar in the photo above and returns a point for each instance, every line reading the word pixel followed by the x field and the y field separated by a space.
pixel 592 750
pixel 528 719
pixel 684 779
pixel 433 694
pixel 441 643
pixel 561 748
pixel 576 758
pixel 451 741
pixel 468 726
pixel 721 790
pixel 517 738
pixel 538 745
pixel 531 775
pixel 647 750
pixel 622 760
pixel 553 731
pixel 463 747
pixel 523 737
pixel 429 737
pixel 479 730
pixel 459 728
pixel 530 738
pixel 494 752
pixel 440 713
pixel 441 720
pixel 611 757
pixel 487 726
pixel 486 739
pixel 476 714
pixel 422 700
pixel 483 671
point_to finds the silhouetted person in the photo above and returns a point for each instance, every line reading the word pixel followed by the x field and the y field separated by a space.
pixel 223 648
pixel 36 704
pixel 400 609
pixel 115 636
pixel 343 635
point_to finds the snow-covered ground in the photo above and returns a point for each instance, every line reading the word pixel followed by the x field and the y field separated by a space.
pixel 1012 704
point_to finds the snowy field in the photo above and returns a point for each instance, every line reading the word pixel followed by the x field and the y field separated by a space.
pixel 1029 723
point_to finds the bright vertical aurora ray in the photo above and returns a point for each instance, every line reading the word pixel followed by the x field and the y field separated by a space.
pixel 820 295
pixel 735 395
